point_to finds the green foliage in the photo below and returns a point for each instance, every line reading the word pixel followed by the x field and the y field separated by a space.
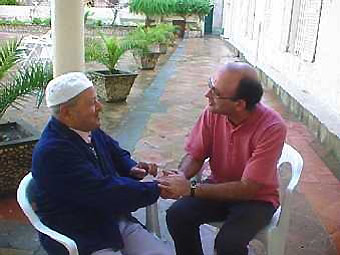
pixel 143 37
pixel 41 22
pixel 167 30
pixel 87 15
pixel 185 8
pixel 9 55
pixel 27 81
pixel 93 49
pixel 99 23
pixel 8 2
pixel 108 50
pixel 202 8
pixel 13 22
pixel 152 7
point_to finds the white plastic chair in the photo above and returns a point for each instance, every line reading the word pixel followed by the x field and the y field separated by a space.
pixel 274 235
pixel 25 199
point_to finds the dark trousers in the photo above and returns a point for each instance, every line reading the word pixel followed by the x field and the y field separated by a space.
pixel 243 220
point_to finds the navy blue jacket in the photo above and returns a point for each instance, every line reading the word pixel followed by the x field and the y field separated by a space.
pixel 81 196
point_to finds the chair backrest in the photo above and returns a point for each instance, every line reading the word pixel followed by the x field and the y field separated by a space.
pixel 291 156
pixel 25 197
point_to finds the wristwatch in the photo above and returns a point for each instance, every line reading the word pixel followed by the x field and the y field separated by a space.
pixel 193 186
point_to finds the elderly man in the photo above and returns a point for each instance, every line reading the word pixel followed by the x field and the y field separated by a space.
pixel 243 140
pixel 87 185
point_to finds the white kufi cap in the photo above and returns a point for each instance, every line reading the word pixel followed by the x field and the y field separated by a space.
pixel 64 87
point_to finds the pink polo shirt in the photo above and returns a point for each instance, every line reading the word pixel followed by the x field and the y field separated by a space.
pixel 250 150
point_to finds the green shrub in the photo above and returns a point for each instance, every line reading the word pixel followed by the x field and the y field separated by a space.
pixel 8 2
pixel 185 8
pixel 99 23
pixel 152 7
pixel 41 21
pixel 12 22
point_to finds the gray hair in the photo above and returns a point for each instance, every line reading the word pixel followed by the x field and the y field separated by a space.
pixel 55 109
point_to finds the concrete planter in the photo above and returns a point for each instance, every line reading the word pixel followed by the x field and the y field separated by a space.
pixel 147 61
pixel 113 87
pixel 193 34
pixel 15 155
pixel 160 48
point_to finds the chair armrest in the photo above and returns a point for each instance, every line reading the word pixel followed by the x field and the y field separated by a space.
pixel 67 242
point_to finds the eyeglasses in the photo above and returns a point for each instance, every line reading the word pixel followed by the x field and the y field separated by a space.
pixel 215 92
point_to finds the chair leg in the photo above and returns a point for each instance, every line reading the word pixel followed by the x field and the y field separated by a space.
pixel 152 222
pixel 275 245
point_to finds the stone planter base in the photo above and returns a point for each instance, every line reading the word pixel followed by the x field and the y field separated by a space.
pixel 113 87
pixel 193 34
pixel 16 155
pixel 148 61
pixel 159 48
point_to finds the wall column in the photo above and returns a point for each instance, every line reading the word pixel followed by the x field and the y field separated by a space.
pixel 67 17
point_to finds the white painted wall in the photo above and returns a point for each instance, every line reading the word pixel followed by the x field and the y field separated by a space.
pixel 218 15
pixel 314 83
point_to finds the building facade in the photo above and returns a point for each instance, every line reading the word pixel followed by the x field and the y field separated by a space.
pixel 296 44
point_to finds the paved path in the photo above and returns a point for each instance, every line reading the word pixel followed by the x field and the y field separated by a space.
pixel 160 111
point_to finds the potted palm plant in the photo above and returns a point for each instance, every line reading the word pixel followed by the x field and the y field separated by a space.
pixel 112 85
pixel 162 36
pixel 143 39
pixel 17 138
pixel 186 8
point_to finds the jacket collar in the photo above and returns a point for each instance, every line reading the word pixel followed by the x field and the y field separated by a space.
pixel 63 130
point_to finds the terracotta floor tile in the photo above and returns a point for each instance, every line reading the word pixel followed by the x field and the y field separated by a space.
pixel 10 210
pixel 336 240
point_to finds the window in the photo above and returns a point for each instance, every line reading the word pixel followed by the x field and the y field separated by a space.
pixel 307 29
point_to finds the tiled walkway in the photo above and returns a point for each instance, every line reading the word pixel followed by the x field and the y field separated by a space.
pixel 160 111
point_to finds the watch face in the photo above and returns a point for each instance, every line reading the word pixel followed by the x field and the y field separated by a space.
pixel 193 186
pixel 193 183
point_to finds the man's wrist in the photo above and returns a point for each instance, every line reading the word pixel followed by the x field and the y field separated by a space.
pixel 193 187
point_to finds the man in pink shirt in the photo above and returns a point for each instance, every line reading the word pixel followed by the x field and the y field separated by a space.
pixel 243 140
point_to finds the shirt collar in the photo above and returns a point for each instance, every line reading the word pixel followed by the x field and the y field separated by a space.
pixel 85 135
pixel 252 118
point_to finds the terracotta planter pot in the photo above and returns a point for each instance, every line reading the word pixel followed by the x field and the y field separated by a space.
pixel 113 87
pixel 17 140
pixel 147 61
pixel 181 24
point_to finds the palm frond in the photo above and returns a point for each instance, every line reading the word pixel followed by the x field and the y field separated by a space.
pixel 108 51
pixel 9 55
pixel 34 78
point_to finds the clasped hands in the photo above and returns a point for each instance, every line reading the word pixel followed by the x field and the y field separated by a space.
pixel 142 169
pixel 172 184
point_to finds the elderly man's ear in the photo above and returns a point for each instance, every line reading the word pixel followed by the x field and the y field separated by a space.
pixel 66 113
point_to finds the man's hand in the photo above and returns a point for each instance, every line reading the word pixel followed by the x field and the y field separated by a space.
pixel 142 169
pixel 174 186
